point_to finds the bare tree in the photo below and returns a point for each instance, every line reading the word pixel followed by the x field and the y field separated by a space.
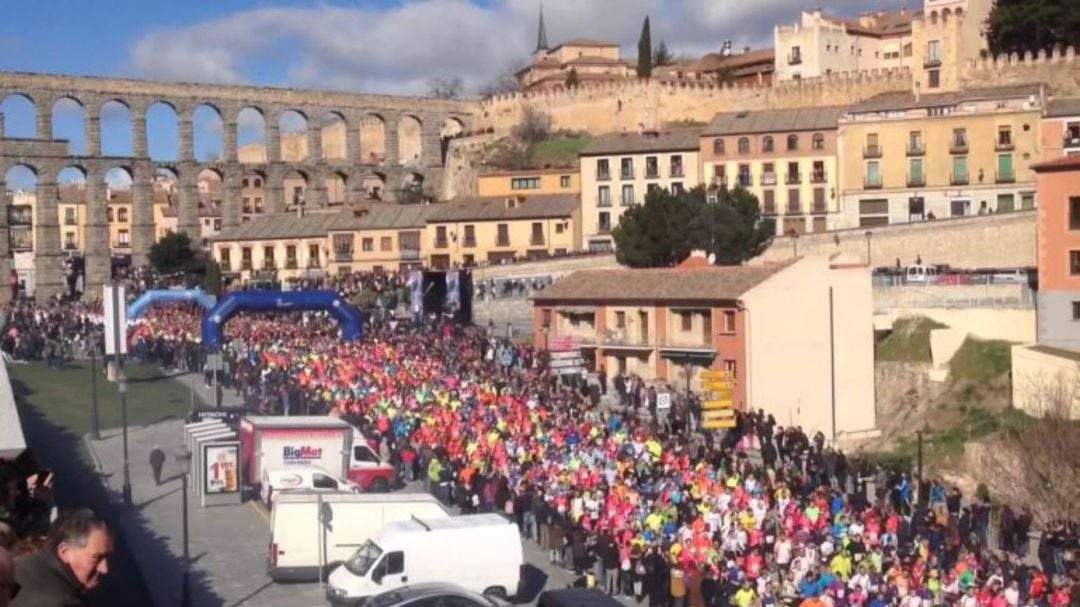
pixel 534 126
pixel 445 88
pixel 505 81
pixel 1037 464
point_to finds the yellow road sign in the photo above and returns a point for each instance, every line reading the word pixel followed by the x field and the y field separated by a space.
pixel 721 389
pixel 712 405
pixel 718 419
pixel 718 375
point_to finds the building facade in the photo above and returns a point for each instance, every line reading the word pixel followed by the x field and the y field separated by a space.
pixel 907 157
pixel 529 182
pixel 821 44
pixel 619 170
pixel 590 61
pixel 494 230
pixel 787 158
pixel 807 368
pixel 1061 128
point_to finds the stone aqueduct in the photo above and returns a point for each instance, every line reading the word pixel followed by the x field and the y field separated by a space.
pixel 46 156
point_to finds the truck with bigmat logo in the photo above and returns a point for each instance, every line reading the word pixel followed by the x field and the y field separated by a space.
pixel 329 443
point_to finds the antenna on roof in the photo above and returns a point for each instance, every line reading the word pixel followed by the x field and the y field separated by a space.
pixel 421 523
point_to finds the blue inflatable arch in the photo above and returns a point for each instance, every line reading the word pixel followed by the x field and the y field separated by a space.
pixel 151 298
pixel 214 320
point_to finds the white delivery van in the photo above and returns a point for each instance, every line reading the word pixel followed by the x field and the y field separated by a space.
pixel 480 552
pixel 297 534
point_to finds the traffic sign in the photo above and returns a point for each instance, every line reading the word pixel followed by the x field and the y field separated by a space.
pixel 715 375
pixel 718 419
pixel 711 405
pixel 722 390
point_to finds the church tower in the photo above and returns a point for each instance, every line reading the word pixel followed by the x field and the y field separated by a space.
pixel 541 35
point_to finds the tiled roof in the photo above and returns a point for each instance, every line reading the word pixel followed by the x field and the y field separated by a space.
pixel 587 60
pixel 631 143
pixel 889 23
pixel 1065 163
pixel 543 206
pixel 314 225
pixel 908 101
pixel 715 61
pixel 1058 108
pixel 585 42
pixel 774 121
pixel 667 284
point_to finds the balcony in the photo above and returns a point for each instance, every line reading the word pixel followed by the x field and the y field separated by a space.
pixel 69 221
pixel 932 62
pixel 245 265
pixel 269 265
pixel 314 264
pixel 768 179
pixel 603 228
pixel 225 265
pixel 746 180
pixel 626 175
pixel 720 181
pixel 536 240
pixel 872 183
pixel 872 151
pixel 958 147
pixel 794 59
pixel 677 171
pixel 916 181
pixel 769 208
pixel 410 254
pixel 916 148
pixel 343 255
pixel 469 242
pixel 502 241
pixel 819 177
pixel 603 176
pixel 1004 145
pixel 651 174
pixel 20 219
pixel 1005 177
pixel 794 209
pixel 442 243
pixel 793 178
pixel 70 246
pixel 291 264
pixel 688 344
pixel 1071 140
pixel 603 203
pixel 619 339
pixel 819 208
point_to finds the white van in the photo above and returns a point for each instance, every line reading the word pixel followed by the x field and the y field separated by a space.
pixel 297 533
pixel 920 275
pixel 480 552
pixel 291 479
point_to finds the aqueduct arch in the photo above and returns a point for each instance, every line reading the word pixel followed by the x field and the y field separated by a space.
pixel 46 155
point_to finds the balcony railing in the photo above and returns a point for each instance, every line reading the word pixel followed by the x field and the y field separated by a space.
pixel 603 176
pixel 916 148
pixel 819 208
pixel 536 240
pixel 959 179
pixel 625 174
pixel 469 242
pixel 604 228
pixel 314 264
pixel 245 265
pixel 653 174
pixel 225 265
pixel 21 220
pixel 793 178
pixel 958 147
pixel 1001 145
pixel 678 171
pixel 794 59
pixel 619 338
pixel 746 180
pixel 268 264
pixel 410 254
pixel 1071 140
pixel 769 209
pixel 69 221
pixel 819 177
pixel 768 179
pixel 70 246
pixel 502 241
pixel 1005 177
pixel 872 151
pixel 603 202
pixel 291 264
pixel 442 243
pixel 932 62
pixel 916 181
pixel 794 209
pixel 343 255
pixel 872 183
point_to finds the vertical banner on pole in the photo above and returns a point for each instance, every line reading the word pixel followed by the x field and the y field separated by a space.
pixel 416 293
pixel 453 291
pixel 115 303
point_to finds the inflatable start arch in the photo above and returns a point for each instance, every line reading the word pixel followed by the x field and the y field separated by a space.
pixel 214 320
pixel 151 298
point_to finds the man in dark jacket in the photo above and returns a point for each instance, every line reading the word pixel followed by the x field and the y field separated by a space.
pixel 73 560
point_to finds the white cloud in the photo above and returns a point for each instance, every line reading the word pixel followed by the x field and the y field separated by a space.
pixel 398 49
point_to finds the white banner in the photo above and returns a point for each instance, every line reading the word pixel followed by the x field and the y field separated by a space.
pixel 115 303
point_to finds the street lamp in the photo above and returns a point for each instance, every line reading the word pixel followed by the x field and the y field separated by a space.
pixel 546 329
pixel 868 235
pixel 183 460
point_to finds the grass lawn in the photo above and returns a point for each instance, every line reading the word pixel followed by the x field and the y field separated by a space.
pixel 909 340
pixel 980 360
pixel 558 151
pixel 62 396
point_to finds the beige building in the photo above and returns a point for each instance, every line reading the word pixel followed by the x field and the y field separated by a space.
pixel 529 182
pixel 947 35
pixel 787 158
pixel 620 169
pixel 821 44
pixel 908 157
pixel 812 368
pixel 494 230
pixel 591 60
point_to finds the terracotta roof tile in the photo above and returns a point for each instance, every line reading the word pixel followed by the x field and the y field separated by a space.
pixel 773 121
pixel 633 143
pixel 543 206
pixel 651 285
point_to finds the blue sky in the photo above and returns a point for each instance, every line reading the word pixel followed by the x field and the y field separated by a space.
pixel 383 46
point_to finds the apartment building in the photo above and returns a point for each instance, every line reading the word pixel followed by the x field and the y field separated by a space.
pixel 787 158
pixel 670 324
pixel 529 182
pixel 619 170
pixel 478 231
pixel 821 44
pixel 907 157
pixel 1061 128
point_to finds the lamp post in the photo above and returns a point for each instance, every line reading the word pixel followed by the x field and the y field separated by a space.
pixel 546 329
pixel 95 421
pixel 869 235
pixel 183 459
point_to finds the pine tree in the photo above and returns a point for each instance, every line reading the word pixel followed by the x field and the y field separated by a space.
pixel 662 56
pixel 644 47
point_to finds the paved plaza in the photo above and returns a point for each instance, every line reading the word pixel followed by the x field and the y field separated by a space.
pixel 228 544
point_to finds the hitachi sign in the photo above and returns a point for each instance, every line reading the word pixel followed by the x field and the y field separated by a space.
pixel 304 453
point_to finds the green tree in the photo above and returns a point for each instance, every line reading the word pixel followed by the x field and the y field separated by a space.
pixel 1016 26
pixel 175 253
pixel 572 79
pixel 212 280
pixel 663 231
pixel 644 54
pixel 662 56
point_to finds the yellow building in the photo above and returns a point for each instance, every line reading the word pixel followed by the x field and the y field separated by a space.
pixel 787 158
pixel 384 237
pixel 479 231
pixel 907 157
pixel 618 170
pixel 529 182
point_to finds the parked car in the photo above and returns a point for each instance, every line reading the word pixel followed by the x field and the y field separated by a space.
pixel 434 594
